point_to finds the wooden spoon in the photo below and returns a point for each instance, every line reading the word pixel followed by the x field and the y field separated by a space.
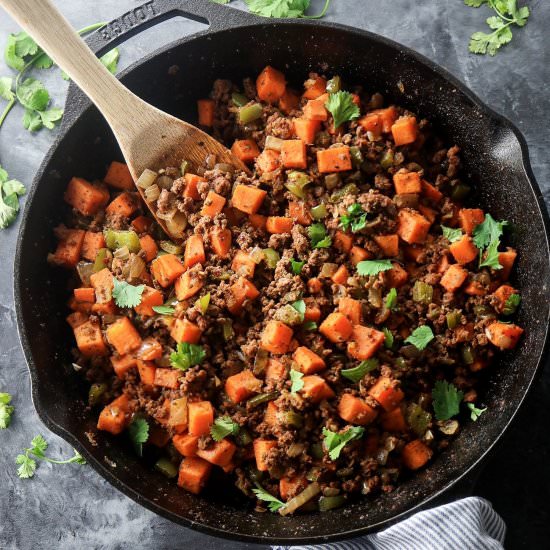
pixel 148 137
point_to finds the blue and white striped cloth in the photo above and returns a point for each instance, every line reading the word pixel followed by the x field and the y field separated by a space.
pixel 467 524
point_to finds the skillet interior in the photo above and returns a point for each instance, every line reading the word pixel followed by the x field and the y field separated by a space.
pixel 494 157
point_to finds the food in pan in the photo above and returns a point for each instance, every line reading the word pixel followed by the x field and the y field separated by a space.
pixel 322 330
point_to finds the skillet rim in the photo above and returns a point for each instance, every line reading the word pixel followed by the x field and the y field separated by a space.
pixel 73 114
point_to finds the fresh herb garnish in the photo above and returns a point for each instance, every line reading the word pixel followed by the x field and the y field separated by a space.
pixel 283 8
pixel 300 307
pixel 334 442
pixel 373 267
pixel 10 191
pixel 22 54
pixel 222 427
pixel 486 237
pixel 164 310
pixel 127 295
pixel 318 235
pixel 388 340
pixel 297 382
pixel 452 235
pixel 187 355
pixel 391 299
pixel 475 413
pixel 355 219
pixel 357 373
pixel 27 465
pixel 342 107
pixel 296 266
pixel 138 431
pixel 446 400
pixel 274 503
pixel 507 14
pixel 511 304
pixel 420 337
pixel 6 410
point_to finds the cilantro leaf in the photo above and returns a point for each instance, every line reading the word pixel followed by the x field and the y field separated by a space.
pixel 9 206
pixel 356 218
pixel 283 8
pixel 487 231
pixel 342 107
pixel 221 1
pixel 43 61
pixel 452 235
pixel 446 400
pixel 357 373
pixel 164 310
pixel 110 60
pixel 274 503
pixel 13 186
pixel 475 3
pixel 27 466
pixel 25 45
pixel 373 267
pixel 6 84
pixel 309 325
pixel 511 304
pixel 391 299
pixel 388 340
pixel 420 337
pixel 32 94
pixel 32 120
pixel 300 307
pixel 10 54
pixel 138 431
pixel 297 382
pixel 50 117
pixel 187 355
pixel 296 266
pixel 6 410
pixel 127 295
pixel 38 446
pixel 475 413
pixel 222 427
pixel 318 235
pixel 490 257
pixel 334 442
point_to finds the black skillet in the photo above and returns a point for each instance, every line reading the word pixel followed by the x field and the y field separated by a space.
pixel 236 45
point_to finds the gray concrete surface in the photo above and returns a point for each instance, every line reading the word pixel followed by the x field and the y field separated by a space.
pixel 71 507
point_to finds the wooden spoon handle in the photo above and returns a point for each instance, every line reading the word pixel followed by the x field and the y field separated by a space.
pixel 42 20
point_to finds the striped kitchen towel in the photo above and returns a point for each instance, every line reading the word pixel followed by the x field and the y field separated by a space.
pixel 467 524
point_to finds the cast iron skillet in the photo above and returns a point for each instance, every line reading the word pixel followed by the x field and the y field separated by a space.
pixel 238 45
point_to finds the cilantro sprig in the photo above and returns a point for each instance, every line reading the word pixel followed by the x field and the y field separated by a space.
pixel 355 219
pixel 23 54
pixel 507 14
pixel 281 8
pixel 222 427
pixel 274 503
pixel 475 413
pixel 373 267
pixel 6 410
pixel 446 400
pixel 296 379
pixel 10 191
pixel 342 107
pixel 138 431
pixel 127 295
pixel 187 356
pixel 391 299
pixel 486 237
pixel 334 441
pixel 318 235
pixel 296 266
pixel 300 307
pixel 37 450
pixel 452 235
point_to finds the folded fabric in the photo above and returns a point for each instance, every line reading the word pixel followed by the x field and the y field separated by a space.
pixel 467 524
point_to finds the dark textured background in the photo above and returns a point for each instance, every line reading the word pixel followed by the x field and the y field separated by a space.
pixel 68 507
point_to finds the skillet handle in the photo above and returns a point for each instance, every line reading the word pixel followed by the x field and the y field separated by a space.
pixel 152 12
pixel 216 16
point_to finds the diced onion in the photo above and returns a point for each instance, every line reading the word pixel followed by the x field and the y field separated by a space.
pixel 224 167
pixel 85 270
pixel 122 253
pixel 272 142
pixel 176 225
pixel 178 412
pixel 147 178
pixel 165 182
pixel 137 265
pixel 152 193
pixel 328 270
pixel 306 495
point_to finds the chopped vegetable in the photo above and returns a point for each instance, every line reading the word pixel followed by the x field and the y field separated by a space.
pixel 187 355
pixel 511 304
pixel 355 219
pixel 391 299
pixel 388 340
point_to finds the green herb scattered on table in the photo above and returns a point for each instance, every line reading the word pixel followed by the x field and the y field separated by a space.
pixel 6 410
pixel 281 8
pixel 10 191
pixel 27 464
pixel 507 14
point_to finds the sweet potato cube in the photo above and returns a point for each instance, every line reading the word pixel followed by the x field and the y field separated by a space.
pixel 386 392
pixel 86 197
pixel 470 218
pixel 122 364
pixel 407 182
pixel 308 361
pixel 201 417
pixel 405 130
pixel 464 251
pixel 167 378
pixel 416 454
pixel 118 176
pixel 219 453
pixel 123 336
pixel 206 109
pixel 150 297
pixel 248 199
pixel 242 385
pixel 389 244
pixel 124 205
pixel 336 327
pixel 294 154
pixel 270 85
pixel 261 450
pixel 306 130
pixel 355 410
pixel 245 150
pixel 453 278
pixel 185 331
pixel 166 269
pixel 89 339
pixel 276 337
pixel 115 417
pixel 316 388
pixel 193 474
pixel 186 444
pixel 213 204
pixel 91 244
pixel 412 227
pixel 364 342
pixel 335 159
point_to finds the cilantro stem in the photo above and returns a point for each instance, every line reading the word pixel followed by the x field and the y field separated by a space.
pixel 499 13
pixel 74 458
pixel 322 14
pixel 6 110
